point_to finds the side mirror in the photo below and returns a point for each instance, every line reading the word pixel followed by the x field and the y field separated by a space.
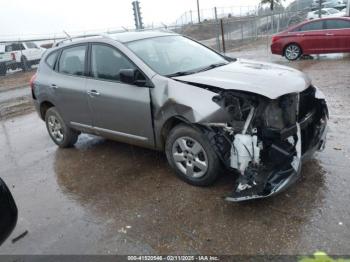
pixel 8 212
pixel 132 77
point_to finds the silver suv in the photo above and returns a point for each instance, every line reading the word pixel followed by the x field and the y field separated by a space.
pixel 206 111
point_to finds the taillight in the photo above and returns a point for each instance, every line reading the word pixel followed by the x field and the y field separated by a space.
pixel 31 82
pixel 13 55
pixel 275 38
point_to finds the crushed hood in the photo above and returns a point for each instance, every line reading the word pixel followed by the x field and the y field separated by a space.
pixel 266 79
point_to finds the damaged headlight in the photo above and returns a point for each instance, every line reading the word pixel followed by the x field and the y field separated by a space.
pixel 282 112
pixel 237 105
pixel 273 115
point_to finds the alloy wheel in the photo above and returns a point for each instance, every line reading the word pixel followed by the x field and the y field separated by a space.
pixel 55 128
pixel 292 52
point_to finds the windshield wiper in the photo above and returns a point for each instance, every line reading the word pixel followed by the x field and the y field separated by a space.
pixel 180 73
pixel 184 73
pixel 212 66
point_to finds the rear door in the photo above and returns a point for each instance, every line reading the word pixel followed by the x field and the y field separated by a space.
pixel 68 83
pixel 338 31
pixel 313 39
pixel 120 111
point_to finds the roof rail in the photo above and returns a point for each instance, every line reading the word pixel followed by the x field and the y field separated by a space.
pixel 69 38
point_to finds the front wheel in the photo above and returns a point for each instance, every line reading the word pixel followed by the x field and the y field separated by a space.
pixel 191 156
pixel 60 133
pixel 292 52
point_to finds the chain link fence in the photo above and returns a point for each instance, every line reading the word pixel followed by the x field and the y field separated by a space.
pixel 231 32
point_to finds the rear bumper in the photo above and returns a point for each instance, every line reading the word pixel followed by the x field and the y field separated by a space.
pixel 278 180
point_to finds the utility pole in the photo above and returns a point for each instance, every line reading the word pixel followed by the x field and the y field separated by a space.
pixel 137 15
pixel 199 15
pixel 348 8
pixel 320 8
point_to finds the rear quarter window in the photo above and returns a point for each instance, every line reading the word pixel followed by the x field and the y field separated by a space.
pixel 51 59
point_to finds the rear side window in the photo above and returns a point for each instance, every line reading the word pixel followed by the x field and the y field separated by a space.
pixel 312 26
pixel 106 62
pixel 51 59
pixel 337 24
pixel 72 60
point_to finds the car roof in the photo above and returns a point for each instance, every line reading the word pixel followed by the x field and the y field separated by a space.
pixel 122 37
pixel 139 35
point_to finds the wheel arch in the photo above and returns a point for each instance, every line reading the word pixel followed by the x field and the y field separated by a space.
pixel 168 125
pixel 44 106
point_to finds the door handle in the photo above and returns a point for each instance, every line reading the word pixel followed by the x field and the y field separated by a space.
pixel 54 86
pixel 300 34
pixel 328 34
pixel 93 93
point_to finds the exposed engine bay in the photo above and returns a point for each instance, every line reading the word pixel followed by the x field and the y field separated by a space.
pixel 266 139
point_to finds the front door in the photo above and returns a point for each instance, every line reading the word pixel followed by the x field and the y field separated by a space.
pixel 120 111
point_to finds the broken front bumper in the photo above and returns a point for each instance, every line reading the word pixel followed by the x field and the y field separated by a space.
pixel 274 181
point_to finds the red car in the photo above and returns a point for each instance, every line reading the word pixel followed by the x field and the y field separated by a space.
pixel 328 35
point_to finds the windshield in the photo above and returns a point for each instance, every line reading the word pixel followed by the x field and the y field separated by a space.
pixel 171 55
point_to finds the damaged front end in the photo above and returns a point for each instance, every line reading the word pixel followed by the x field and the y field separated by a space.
pixel 266 140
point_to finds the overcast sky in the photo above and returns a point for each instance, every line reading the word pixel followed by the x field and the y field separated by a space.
pixel 22 17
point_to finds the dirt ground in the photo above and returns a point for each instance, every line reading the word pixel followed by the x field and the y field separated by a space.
pixel 16 79
pixel 104 197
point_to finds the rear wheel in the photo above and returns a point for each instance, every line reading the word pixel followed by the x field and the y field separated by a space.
pixel 292 52
pixel 25 64
pixel 2 69
pixel 191 156
pixel 60 133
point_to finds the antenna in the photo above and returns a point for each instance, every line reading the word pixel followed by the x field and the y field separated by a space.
pixel 68 36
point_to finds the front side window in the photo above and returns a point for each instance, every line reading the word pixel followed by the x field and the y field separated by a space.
pixel 337 24
pixel 106 62
pixel 312 26
pixel 72 60
pixel 169 55
pixel 31 45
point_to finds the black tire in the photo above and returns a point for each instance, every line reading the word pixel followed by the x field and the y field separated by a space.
pixel 292 52
pixel 213 164
pixel 69 136
pixel 25 65
pixel 3 69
